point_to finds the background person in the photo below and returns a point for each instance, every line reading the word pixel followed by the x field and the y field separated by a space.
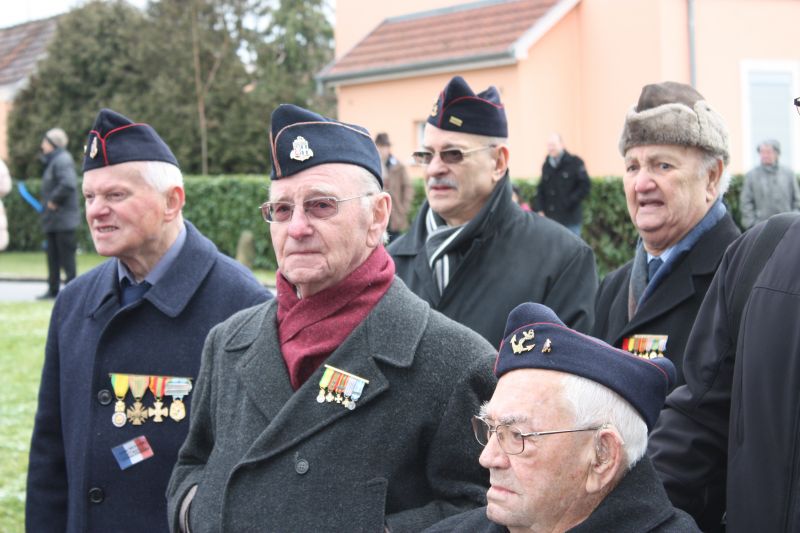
pixel 563 187
pixel 769 188
pixel 398 184
pixel 60 217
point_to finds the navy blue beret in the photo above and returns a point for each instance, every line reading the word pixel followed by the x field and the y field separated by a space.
pixel 301 139
pixel 117 139
pixel 458 108
pixel 536 338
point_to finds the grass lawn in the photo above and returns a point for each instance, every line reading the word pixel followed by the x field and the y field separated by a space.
pixel 22 338
pixel 33 265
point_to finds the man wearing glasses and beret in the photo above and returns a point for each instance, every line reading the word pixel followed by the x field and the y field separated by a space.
pixel 565 435
pixel 472 253
pixel 338 406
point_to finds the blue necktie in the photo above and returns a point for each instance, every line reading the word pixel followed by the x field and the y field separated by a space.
pixel 132 293
pixel 652 267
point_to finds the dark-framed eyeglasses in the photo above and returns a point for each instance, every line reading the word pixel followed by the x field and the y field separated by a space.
pixel 321 207
pixel 797 104
pixel 452 156
pixel 511 439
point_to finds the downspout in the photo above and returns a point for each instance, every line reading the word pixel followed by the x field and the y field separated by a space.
pixel 692 44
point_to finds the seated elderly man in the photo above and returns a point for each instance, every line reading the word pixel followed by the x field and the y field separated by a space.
pixel 339 405
pixel 565 435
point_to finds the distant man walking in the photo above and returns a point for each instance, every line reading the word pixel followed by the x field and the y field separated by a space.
pixel 397 184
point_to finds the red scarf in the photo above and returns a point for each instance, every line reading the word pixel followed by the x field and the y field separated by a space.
pixel 310 329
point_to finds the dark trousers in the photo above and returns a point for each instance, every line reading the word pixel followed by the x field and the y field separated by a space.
pixel 60 254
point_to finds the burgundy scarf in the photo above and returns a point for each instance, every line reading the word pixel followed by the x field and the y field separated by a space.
pixel 310 329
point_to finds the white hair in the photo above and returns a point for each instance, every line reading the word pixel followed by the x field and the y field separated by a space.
pixel 708 161
pixel 594 404
pixel 159 174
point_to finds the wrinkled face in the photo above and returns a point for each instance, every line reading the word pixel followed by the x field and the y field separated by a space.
pixel 315 254
pixel 767 154
pixel 457 191
pixel 666 193
pixel 126 215
pixel 537 488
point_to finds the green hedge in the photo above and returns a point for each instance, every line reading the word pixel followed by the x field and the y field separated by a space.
pixel 222 207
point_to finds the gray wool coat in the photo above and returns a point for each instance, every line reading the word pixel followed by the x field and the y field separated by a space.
pixel 267 458
pixel 60 186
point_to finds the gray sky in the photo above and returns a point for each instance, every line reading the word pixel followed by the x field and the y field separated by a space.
pixel 15 12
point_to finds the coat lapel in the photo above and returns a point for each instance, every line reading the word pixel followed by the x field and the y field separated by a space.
pixel 301 416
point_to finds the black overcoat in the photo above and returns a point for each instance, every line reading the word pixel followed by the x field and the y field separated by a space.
pixel 268 458
pixel 637 505
pixel 74 482
pixel 739 411
pixel 60 186
pixel 515 257
pixel 672 307
pixel 562 189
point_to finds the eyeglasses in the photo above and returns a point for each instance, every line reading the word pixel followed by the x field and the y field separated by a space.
pixel 797 104
pixel 448 157
pixel 321 208
pixel 511 439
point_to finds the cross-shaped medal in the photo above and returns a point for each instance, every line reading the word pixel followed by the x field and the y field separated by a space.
pixel 158 411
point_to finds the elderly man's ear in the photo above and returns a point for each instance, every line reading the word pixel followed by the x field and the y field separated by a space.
pixel 608 462
pixel 714 178
pixel 381 210
pixel 175 197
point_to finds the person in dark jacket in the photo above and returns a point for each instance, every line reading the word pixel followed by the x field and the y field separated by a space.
pixel 338 405
pixel 563 187
pixel 737 414
pixel 60 217
pixel 472 253
pixel 565 435
pixel 123 348
pixel 675 148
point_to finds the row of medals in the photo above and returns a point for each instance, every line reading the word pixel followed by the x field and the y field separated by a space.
pixel 160 386
pixel 340 387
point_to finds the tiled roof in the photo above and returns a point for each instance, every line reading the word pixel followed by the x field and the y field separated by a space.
pixel 469 33
pixel 21 46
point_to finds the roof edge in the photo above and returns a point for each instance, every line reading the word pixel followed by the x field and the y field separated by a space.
pixel 445 10
pixel 498 59
pixel 522 45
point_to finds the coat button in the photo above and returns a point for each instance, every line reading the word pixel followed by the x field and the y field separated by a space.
pixel 301 466
pixel 104 397
pixel 96 495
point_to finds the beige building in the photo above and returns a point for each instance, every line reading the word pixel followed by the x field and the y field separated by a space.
pixel 21 47
pixel 572 66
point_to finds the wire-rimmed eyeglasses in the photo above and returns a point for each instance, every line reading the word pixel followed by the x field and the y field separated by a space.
pixel 321 207
pixel 511 439
pixel 452 156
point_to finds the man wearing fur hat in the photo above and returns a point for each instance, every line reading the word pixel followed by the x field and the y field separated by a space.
pixel 472 252
pixel 565 435
pixel 769 188
pixel 675 148
pixel 124 344
pixel 339 405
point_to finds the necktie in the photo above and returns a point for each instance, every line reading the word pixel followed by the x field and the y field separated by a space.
pixel 653 266
pixel 132 293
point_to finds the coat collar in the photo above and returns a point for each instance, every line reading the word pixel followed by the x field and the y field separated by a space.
pixel 295 415
pixel 176 288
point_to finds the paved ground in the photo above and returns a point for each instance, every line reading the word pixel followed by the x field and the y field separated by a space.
pixel 21 291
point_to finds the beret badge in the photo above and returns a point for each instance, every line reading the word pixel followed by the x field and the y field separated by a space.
pixel 300 149
pixel 518 346
pixel 93 149
pixel 435 109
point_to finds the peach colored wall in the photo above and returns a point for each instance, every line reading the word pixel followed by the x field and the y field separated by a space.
pixel 356 18
pixel 730 31
pixel 396 106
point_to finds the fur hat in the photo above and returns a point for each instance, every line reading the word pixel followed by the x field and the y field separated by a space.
pixel 675 113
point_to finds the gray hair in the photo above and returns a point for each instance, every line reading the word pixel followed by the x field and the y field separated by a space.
pixel 369 185
pixel 709 161
pixel 594 404
pixel 57 137
pixel 160 175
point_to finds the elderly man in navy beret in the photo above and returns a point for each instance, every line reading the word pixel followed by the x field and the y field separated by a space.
pixel 337 406
pixel 125 340
pixel 472 252
pixel 565 435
